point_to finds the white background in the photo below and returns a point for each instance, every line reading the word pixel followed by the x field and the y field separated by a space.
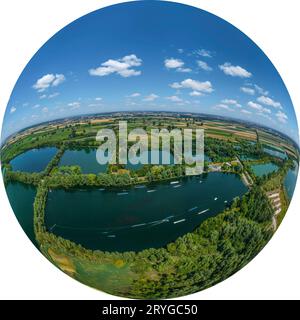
pixel 26 25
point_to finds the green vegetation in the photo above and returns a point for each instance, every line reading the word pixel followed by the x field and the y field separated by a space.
pixel 215 250
pixel 218 248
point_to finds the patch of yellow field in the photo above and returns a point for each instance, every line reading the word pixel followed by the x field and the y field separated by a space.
pixel 123 171
pixel 119 263
pixel 101 120
pixel 63 262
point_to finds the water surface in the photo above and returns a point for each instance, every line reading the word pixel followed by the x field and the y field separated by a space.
pixel 264 169
pixel 139 217
pixel 34 160
pixel 85 158
pixel 291 180
pixel 21 198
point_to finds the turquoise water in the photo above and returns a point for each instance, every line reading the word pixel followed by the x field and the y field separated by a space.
pixel 85 158
pixel 275 152
pixel 34 160
pixel 139 217
pixel 21 198
pixel 264 169
pixel 246 157
pixel 291 180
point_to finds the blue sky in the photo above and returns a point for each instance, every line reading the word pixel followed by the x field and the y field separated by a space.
pixel 150 55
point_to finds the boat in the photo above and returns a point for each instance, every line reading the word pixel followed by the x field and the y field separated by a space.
pixel 192 209
pixel 216 198
pixel 174 182
pixel 179 221
pixel 151 191
pixel 122 193
pixel 203 211
pixel 138 225
pixel 177 186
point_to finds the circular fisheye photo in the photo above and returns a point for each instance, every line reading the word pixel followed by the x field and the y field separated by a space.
pixel 150 150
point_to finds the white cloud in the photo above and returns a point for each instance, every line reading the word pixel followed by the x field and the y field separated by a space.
pixel 135 95
pixel 269 102
pixel 174 99
pixel 246 111
pixel 248 90
pixel 234 71
pixel 36 106
pixel 203 65
pixel 264 116
pixel 98 99
pixel 48 80
pixel 196 94
pixel 195 85
pixel 176 85
pixel 123 67
pixel 93 105
pixel 13 109
pixel 59 78
pixel 176 64
pixel 184 70
pixel 151 97
pixel 258 107
pixel 74 105
pixel 53 95
pixel 224 107
pixel 282 117
pixel 173 63
pixel 260 90
pixel 45 109
pixel 204 53
pixel 231 102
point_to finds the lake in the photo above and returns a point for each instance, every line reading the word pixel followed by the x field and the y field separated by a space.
pixel 21 198
pixel 275 152
pixel 291 180
pixel 263 169
pixel 139 217
pixel 85 158
pixel 34 160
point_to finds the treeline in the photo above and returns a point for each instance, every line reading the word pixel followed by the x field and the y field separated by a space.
pixel 54 161
pixel 219 247
pixel 70 177
pixel 39 209
pixel 219 150
pixel 275 180
pixel 24 177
